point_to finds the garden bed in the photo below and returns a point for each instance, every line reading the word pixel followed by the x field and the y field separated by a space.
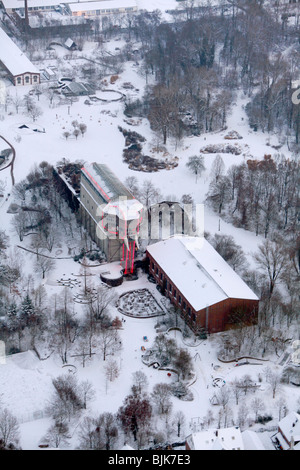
pixel 140 304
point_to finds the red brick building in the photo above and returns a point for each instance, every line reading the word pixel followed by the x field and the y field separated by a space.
pixel 200 283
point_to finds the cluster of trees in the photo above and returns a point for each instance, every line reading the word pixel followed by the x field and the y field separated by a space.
pixel 78 128
pixel 35 320
pixel 198 61
pixel 168 355
pixel 144 418
pixel 233 394
pixel 26 103
pixel 147 193
pixel 9 430
pixel 259 195
pixel 263 196
pixel 202 57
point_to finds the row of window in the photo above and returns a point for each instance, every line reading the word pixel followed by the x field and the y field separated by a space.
pixel 27 80
pixel 99 12
pixel 173 293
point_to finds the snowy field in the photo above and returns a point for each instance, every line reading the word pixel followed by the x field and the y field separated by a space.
pixel 25 382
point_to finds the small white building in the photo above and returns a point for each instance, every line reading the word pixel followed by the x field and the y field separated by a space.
pixel 216 439
pixel 224 439
pixel 19 68
pixel 18 6
pixel 106 7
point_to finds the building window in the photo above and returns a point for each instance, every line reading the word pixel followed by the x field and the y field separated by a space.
pixel 179 300
pixel 19 80
pixel 175 293
pixel 161 276
pixel 152 266
pixel 189 311
pixel 156 271
pixel 27 79
pixel 170 287
pixel 35 78
pixel 184 305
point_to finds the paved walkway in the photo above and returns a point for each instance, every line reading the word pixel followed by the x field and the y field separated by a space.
pixel 12 162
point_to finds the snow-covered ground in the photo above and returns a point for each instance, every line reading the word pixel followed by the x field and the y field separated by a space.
pixel 25 382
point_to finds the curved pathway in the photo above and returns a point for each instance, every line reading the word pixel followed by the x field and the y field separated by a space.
pixel 11 164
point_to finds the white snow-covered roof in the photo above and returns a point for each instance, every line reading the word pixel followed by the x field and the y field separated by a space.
pixel 103 5
pixel 216 439
pixel 290 426
pixel 16 4
pixel 252 441
pixel 13 58
pixel 198 271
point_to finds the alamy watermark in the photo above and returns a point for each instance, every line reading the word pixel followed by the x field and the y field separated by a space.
pixel 296 94
pixel 118 220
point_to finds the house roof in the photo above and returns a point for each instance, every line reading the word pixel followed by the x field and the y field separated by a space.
pixel 13 58
pixel 102 5
pixel 252 441
pixel 19 4
pixel 216 439
pixel 290 426
pixel 198 271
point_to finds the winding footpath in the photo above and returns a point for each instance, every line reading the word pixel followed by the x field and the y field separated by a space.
pixel 12 162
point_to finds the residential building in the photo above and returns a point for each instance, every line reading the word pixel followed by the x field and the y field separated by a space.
pixel 288 434
pixel 224 439
pixel 102 8
pixel 200 283
pixel 79 8
pixel 18 67
pixel 216 439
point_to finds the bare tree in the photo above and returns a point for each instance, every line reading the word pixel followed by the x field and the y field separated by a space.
pixel 17 101
pixel 217 168
pixel 82 128
pixel 272 259
pixel 140 381
pixel 257 405
pixel 149 194
pixel 112 370
pixel 20 223
pixel 243 413
pixel 273 378
pixel 44 265
pixel 35 112
pixel 179 422
pixel 58 435
pixel 161 395
pixel 196 165
pixel 9 428
pixel 109 342
pixel 86 392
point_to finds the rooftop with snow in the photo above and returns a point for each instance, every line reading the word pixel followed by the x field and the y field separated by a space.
pixel 199 272
pixel 13 58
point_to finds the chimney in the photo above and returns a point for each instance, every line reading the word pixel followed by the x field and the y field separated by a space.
pixel 26 13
